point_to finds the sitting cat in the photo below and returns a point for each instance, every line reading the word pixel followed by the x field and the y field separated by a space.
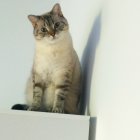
pixel 54 85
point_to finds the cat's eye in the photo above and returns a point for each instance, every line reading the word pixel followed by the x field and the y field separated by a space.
pixel 43 29
pixel 56 25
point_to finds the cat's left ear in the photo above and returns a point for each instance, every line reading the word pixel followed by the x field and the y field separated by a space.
pixel 57 10
pixel 33 19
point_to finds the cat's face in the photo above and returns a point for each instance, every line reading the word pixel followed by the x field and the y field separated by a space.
pixel 50 25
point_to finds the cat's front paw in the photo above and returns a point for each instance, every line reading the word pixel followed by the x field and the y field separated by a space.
pixel 33 108
pixel 49 109
pixel 58 110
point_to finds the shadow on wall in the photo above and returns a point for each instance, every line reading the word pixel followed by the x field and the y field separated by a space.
pixel 88 63
pixel 88 59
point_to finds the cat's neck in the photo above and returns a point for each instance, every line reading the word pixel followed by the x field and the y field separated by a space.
pixel 64 39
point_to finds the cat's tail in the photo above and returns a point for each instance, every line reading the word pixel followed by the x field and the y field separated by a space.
pixel 20 107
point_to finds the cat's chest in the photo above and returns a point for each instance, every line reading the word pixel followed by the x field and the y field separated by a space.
pixel 48 60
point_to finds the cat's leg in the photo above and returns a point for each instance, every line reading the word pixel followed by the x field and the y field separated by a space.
pixel 37 93
pixel 62 88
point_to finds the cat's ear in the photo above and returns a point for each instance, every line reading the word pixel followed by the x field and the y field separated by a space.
pixel 57 9
pixel 33 19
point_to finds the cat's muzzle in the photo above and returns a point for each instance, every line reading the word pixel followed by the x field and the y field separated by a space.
pixel 52 33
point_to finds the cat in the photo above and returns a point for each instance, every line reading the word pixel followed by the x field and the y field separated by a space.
pixel 55 81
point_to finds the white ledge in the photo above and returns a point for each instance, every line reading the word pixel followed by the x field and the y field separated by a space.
pixel 29 125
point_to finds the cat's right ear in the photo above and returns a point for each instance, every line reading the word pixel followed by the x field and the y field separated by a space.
pixel 33 19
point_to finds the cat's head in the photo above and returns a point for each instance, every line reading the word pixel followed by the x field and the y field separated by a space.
pixel 50 25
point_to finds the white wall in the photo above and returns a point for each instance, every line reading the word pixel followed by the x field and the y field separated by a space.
pixel 115 87
pixel 106 38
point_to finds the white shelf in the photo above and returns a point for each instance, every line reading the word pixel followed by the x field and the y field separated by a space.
pixel 27 125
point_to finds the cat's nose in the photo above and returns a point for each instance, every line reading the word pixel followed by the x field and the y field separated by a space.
pixel 52 33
